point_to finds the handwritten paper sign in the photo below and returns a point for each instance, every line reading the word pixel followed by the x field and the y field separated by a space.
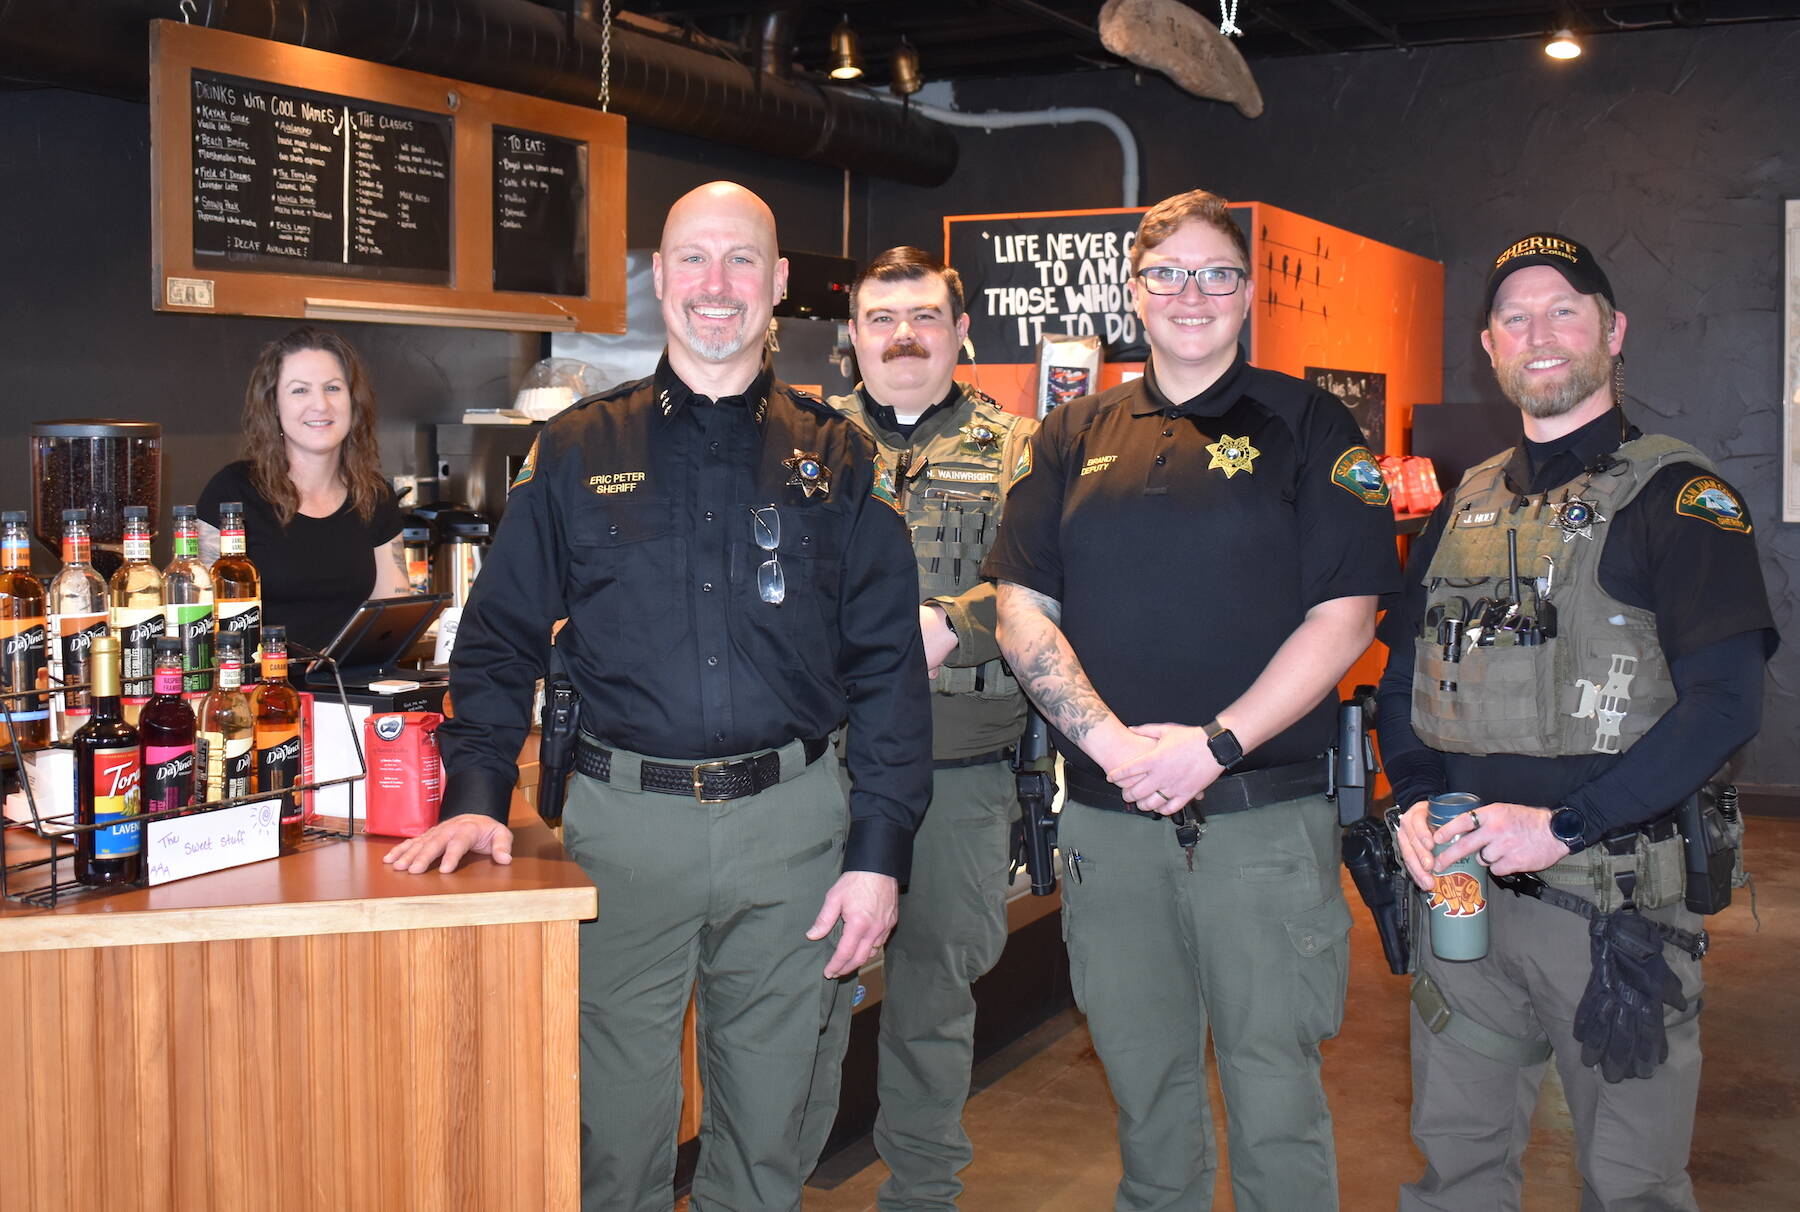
pixel 212 841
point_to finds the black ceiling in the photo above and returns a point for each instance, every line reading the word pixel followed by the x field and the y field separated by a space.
pixel 958 39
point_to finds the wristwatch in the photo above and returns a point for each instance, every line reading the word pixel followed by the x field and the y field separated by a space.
pixel 1224 745
pixel 1567 827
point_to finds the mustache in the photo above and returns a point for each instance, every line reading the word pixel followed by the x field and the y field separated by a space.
pixel 904 349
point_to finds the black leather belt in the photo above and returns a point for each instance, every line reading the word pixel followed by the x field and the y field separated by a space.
pixel 1231 793
pixel 707 782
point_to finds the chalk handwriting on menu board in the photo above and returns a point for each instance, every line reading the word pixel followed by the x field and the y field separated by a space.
pixel 314 183
pixel 1026 275
pixel 540 213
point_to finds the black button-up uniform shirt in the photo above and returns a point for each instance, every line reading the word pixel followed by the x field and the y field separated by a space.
pixel 633 519
pixel 1187 541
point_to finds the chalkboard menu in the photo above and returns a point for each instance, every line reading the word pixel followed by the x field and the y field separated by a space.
pixel 315 183
pixel 1026 275
pixel 287 181
pixel 540 212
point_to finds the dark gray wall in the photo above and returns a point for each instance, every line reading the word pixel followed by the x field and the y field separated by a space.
pixel 78 337
pixel 1668 153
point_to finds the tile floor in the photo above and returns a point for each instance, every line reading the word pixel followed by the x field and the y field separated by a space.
pixel 1043 1121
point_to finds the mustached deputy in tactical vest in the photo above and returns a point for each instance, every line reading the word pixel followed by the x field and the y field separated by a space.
pixel 948 455
pixel 1580 643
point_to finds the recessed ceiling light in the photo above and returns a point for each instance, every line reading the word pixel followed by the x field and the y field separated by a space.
pixel 1562 45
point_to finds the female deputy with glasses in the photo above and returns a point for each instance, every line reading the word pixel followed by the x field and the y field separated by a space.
pixel 1186 571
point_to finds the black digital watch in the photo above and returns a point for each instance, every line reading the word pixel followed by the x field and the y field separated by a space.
pixel 1224 745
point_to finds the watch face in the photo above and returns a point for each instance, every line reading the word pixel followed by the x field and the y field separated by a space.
pixel 1565 826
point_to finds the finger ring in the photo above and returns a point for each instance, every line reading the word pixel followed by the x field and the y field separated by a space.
pixel 1474 819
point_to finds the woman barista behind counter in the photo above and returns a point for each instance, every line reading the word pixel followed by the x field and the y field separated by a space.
pixel 320 523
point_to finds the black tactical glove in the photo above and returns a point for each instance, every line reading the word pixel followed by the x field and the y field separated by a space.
pixel 1619 1021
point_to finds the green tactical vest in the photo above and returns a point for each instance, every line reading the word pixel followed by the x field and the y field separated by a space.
pixel 957 467
pixel 1602 681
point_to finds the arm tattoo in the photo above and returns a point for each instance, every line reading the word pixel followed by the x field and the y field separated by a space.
pixel 397 548
pixel 1039 653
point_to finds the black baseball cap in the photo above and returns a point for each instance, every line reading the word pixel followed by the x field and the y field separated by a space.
pixel 1567 257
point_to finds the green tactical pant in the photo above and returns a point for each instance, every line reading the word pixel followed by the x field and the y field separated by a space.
pixel 1471 1115
pixel 952 930
pixel 1253 945
pixel 723 893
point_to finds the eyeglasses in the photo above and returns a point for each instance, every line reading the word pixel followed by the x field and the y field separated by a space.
pixel 1173 279
pixel 771 585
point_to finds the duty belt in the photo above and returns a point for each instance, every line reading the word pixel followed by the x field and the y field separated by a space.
pixel 708 782
pixel 1232 793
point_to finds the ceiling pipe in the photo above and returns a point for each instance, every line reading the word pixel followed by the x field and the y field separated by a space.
pixel 100 46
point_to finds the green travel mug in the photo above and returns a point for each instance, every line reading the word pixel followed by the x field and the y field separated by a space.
pixel 1459 924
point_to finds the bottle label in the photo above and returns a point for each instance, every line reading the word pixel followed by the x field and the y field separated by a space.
pixel 168 777
pixel 15 551
pixel 137 548
pixel 77 549
pixel 75 637
pixel 274 668
pixel 226 763
pixel 193 626
pixel 138 629
pixel 278 767
pixel 242 615
pixel 186 545
pixel 231 537
pixel 167 680
pixel 117 795
pixel 23 666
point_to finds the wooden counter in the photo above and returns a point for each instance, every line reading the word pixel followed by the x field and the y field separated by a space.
pixel 313 1032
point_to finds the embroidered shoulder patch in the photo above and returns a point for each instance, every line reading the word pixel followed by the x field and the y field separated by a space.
pixel 1358 474
pixel 527 469
pixel 1708 498
pixel 1022 466
pixel 883 489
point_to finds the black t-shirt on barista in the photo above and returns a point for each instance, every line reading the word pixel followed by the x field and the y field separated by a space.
pixel 1186 541
pixel 315 571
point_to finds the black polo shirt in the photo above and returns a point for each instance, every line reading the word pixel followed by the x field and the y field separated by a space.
pixel 1186 542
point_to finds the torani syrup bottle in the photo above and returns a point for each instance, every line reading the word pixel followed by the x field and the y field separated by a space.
pixel 108 777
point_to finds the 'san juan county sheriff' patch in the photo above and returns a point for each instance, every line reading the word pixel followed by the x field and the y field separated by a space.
pixel 528 468
pixel 1358 474
pixel 1232 455
pixel 883 489
pixel 1707 498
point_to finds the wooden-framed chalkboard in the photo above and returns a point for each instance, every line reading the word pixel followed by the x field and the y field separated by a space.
pixel 290 182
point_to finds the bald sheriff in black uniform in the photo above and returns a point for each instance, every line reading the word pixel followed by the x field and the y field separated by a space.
pixel 737 583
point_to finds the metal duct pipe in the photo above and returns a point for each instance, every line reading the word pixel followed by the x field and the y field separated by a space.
pixel 99 45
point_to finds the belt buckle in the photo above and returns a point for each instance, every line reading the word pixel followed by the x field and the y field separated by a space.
pixel 699 775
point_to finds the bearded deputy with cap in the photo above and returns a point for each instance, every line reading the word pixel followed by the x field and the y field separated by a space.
pixel 1623 666
pixel 736 582
pixel 950 452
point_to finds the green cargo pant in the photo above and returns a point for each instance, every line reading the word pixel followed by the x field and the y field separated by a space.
pixel 952 930
pixel 1253 944
pixel 723 893
pixel 1471 1115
